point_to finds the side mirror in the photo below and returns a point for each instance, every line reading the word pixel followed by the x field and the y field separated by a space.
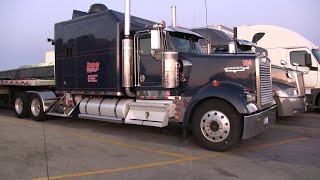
pixel 283 62
pixel 208 50
pixel 155 40
pixel 307 58
pixel 51 40
pixel 232 47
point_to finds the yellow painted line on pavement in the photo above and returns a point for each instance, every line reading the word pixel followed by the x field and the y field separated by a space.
pixel 149 165
pixel 98 138
pixel 311 131
pixel 126 145
pixel 264 146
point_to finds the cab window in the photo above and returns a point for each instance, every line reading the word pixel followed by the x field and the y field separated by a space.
pixel 298 57
pixel 145 45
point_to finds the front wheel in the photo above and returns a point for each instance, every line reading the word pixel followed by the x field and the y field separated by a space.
pixel 216 125
pixel 36 109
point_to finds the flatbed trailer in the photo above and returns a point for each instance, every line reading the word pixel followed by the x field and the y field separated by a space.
pixel 15 83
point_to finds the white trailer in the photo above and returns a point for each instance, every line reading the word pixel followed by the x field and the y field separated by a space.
pixel 297 51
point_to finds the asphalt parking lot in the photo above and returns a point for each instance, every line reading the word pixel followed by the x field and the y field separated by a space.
pixel 84 149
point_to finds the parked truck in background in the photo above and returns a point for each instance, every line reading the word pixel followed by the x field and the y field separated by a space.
pixel 297 51
pixel 118 68
pixel 287 84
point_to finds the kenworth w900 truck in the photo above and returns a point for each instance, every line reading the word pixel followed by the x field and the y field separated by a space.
pixel 118 68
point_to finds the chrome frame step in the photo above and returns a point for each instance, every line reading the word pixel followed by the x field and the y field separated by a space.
pixel 102 118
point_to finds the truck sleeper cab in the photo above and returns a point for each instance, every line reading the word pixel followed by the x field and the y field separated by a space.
pixel 297 51
pixel 287 84
pixel 148 74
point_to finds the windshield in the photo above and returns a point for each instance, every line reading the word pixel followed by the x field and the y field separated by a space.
pixel 186 43
pixel 316 53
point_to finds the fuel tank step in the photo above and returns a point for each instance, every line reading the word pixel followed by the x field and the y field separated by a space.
pixel 150 113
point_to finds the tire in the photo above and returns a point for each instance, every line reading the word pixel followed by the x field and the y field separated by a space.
pixel 21 105
pixel 216 125
pixel 318 102
pixel 36 108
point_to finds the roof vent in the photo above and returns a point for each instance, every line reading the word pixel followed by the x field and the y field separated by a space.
pixel 94 8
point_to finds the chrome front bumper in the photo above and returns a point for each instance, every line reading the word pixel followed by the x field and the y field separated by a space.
pixel 254 124
pixel 289 106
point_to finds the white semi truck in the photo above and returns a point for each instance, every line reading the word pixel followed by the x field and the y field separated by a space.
pixel 286 45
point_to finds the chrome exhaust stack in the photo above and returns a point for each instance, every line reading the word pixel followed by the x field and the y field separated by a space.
pixel 127 19
pixel 127 54
pixel 174 16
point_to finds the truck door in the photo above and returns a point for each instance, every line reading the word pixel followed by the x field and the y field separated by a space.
pixel 149 69
pixel 69 62
pixel 297 55
pixel 69 66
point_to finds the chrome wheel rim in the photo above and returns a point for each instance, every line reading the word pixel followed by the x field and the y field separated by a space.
pixel 18 105
pixel 35 107
pixel 215 126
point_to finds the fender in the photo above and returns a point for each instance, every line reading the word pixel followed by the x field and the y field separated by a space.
pixel 44 95
pixel 228 91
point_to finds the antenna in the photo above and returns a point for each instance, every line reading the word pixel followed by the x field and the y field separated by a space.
pixel 208 44
pixel 194 15
pixel 205 2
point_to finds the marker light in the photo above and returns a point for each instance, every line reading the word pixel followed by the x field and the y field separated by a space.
pixel 215 83
pixel 163 23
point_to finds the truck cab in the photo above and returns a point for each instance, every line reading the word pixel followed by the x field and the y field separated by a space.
pixel 299 53
pixel 287 84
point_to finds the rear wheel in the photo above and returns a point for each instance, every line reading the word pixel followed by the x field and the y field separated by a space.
pixel 21 104
pixel 36 108
pixel 216 125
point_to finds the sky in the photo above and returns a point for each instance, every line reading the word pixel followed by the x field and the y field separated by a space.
pixel 26 25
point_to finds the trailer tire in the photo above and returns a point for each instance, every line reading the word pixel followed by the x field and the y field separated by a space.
pixel 216 125
pixel 36 108
pixel 21 105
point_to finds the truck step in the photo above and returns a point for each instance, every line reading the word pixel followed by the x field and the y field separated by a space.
pixel 57 114
pixel 101 118
pixel 150 113
pixel 59 109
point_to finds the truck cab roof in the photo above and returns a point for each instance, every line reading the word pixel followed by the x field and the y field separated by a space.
pixel 275 37
pixel 136 22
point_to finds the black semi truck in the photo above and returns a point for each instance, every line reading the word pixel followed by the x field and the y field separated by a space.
pixel 115 67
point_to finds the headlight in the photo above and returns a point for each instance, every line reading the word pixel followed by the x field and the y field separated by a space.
pixel 250 98
pixel 286 93
pixel 249 95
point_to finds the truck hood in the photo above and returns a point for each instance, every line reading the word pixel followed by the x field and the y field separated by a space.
pixel 239 69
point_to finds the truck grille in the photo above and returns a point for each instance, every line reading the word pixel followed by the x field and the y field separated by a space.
pixel 265 95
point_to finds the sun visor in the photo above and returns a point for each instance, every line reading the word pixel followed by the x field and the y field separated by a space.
pixel 182 30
